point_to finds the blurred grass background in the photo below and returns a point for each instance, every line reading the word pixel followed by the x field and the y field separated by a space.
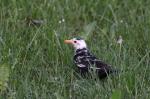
pixel 40 65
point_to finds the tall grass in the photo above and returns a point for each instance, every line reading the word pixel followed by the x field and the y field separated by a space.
pixel 40 64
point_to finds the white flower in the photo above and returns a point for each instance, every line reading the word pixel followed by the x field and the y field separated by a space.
pixel 119 40
pixel 61 21
pixel 121 21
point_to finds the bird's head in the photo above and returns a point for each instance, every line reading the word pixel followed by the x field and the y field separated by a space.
pixel 78 43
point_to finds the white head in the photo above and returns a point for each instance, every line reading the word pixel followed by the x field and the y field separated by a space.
pixel 78 43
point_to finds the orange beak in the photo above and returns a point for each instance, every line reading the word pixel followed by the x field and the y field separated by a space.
pixel 68 41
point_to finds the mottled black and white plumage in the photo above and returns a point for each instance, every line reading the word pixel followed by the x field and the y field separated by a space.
pixel 86 62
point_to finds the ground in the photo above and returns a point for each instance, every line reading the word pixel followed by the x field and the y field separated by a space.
pixel 32 35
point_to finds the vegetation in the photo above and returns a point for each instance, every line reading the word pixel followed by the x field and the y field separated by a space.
pixel 32 34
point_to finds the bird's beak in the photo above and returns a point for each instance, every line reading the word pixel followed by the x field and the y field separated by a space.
pixel 68 41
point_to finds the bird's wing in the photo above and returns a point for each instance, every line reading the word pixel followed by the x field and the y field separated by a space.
pixel 88 60
pixel 84 60
pixel 93 62
pixel 80 61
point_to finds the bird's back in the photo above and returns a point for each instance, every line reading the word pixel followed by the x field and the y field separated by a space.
pixel 85 61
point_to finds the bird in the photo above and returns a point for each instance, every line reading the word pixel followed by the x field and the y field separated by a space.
pixel 86 61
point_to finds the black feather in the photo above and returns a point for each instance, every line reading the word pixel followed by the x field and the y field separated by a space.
pixel 85 62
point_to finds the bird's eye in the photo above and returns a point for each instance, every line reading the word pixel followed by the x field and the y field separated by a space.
pixel 75 41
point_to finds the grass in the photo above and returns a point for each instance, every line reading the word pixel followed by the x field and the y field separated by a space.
pixel 40 64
